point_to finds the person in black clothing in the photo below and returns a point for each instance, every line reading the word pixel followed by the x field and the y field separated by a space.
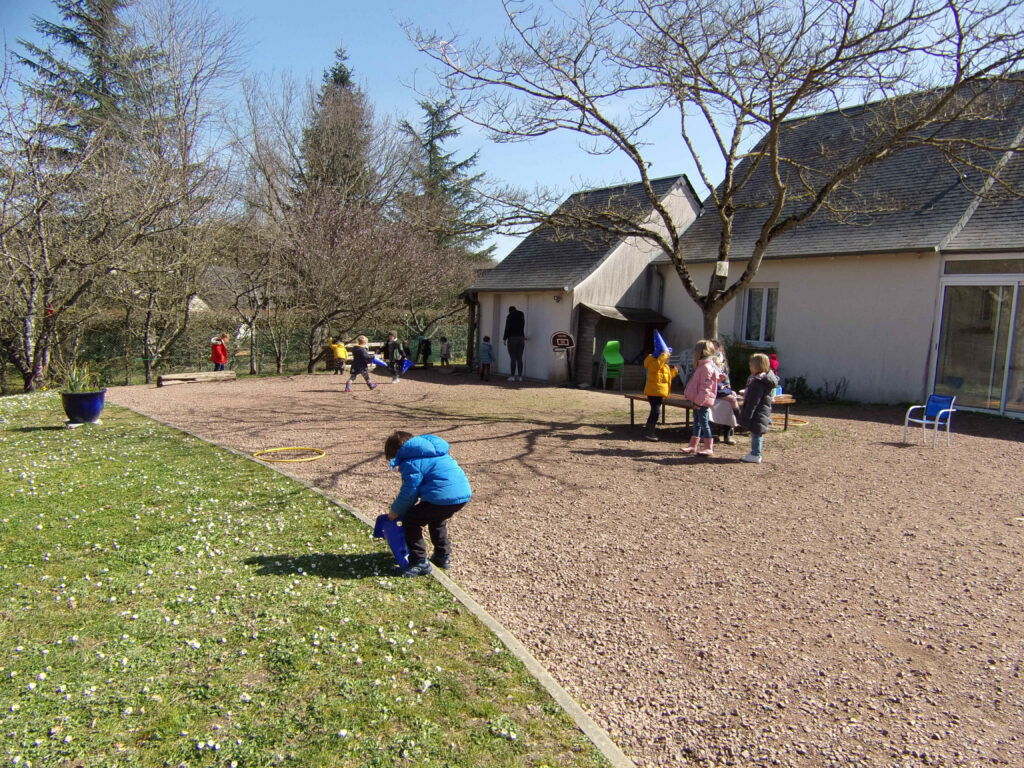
pixel 426 350
pixel 515 339
pixel 361 360
pixel 394 357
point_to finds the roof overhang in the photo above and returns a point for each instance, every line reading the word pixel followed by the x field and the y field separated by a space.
pixel 662 259
pixel 531 289
pixel 627 314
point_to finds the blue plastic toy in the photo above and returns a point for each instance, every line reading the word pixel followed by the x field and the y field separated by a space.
pixel 391 531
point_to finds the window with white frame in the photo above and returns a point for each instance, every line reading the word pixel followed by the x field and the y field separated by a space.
pixel 760 303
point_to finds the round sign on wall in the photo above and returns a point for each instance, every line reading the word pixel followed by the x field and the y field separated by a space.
pixel 562 340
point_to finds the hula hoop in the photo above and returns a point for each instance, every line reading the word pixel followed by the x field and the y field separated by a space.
pixel 319 454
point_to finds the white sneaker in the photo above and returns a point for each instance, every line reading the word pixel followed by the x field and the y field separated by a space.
pixel 751 459
pixel 395 380
pixel 520 379
pixel 511 378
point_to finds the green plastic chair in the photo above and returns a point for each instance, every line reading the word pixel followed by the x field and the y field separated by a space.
pixel 611 364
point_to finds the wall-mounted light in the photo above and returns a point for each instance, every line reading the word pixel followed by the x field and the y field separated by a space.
pixel 557 297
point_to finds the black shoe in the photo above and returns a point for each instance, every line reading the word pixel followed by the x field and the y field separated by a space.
pixel 416 569
pixel 441 562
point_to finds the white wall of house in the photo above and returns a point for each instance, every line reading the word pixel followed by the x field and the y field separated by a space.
pixel 544 316
pixel 625 277
pixel 868 319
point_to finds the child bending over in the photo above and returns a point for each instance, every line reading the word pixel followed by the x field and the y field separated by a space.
pixel 434 488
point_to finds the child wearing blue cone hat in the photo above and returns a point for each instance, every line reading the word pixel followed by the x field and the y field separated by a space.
pixel 659 382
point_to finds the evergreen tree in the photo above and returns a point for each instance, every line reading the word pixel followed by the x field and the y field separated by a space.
pixel 86 73
pixel 446 203
pixel 335 144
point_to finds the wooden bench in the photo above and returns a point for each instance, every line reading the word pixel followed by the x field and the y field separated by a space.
pixel 186 378
pixel 678 401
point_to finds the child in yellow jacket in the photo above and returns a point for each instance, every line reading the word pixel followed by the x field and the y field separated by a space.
pixel 659 386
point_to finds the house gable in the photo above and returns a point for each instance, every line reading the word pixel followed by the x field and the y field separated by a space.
pixel 552 260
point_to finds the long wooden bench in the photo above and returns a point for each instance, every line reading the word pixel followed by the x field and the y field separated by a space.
pixel 678 401
pixel 186 378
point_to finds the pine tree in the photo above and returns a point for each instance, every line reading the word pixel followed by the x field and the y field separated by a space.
pixel 336 142
pixel 446 202
pixel 86 73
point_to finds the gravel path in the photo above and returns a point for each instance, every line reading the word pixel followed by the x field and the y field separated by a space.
pixel 851 601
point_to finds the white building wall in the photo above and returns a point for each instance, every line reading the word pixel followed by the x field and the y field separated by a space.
pixel 623 278
pixel 868 319
pixel 544 316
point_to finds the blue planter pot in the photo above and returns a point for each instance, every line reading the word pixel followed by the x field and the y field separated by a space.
pixel 83 407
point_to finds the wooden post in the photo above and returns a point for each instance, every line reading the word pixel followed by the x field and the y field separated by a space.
pixel 472 327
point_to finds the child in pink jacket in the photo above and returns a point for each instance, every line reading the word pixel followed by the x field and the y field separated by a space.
pixel 701 390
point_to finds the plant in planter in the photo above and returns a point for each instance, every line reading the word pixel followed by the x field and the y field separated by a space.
pixel 82 396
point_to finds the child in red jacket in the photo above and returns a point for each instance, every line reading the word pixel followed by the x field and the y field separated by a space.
pixel 219 351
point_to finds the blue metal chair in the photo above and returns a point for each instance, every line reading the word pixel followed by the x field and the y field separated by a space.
pixel 938 412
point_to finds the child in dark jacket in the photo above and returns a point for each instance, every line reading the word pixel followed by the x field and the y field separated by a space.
pixel 434 488
pixel 756 413
pixel 361 359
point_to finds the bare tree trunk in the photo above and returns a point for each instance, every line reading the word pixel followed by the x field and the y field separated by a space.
pixel 127 346
pixel 711 320
pixel 473 306
pixel 253 369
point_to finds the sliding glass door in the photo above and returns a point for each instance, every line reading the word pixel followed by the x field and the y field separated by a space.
pixel 1015 376
pixel 981 347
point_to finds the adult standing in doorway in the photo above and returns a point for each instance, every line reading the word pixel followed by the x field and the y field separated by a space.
pixel 515 339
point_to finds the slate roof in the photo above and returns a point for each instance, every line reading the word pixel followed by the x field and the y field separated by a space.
pixel 913 201
pixel 544 261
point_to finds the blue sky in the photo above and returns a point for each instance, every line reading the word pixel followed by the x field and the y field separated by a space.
pixel 302 35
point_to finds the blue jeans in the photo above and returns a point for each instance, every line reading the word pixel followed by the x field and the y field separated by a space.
pixel 702 422
pixel 756 444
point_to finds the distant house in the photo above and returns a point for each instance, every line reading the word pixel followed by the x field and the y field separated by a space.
pixel 586 285
pixel 918 287
pixel 914 284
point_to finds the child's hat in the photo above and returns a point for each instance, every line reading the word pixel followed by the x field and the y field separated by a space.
pixel 660 347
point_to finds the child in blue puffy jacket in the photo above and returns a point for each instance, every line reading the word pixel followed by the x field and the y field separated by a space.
pixel 434 488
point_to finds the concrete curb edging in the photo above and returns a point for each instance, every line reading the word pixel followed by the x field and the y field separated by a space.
pixel 597 735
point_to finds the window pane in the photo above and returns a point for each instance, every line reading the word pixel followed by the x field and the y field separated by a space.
pixel 985 267
pixel 755 300
pixel 972 344
pixel 769 314
pixel 1015 391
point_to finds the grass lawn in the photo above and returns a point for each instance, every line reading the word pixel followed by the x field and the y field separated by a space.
pixel 163 602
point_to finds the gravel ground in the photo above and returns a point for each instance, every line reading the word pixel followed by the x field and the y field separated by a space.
pixel 851 601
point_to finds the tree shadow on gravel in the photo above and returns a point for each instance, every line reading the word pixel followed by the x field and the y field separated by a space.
pixel 528 429
pixel 965 423
pixel 358 566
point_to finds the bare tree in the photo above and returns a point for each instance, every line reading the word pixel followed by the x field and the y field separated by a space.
pixel 344 256
pixel 64 226
pixel 741 72
pixel 353 265
pixel 129 200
